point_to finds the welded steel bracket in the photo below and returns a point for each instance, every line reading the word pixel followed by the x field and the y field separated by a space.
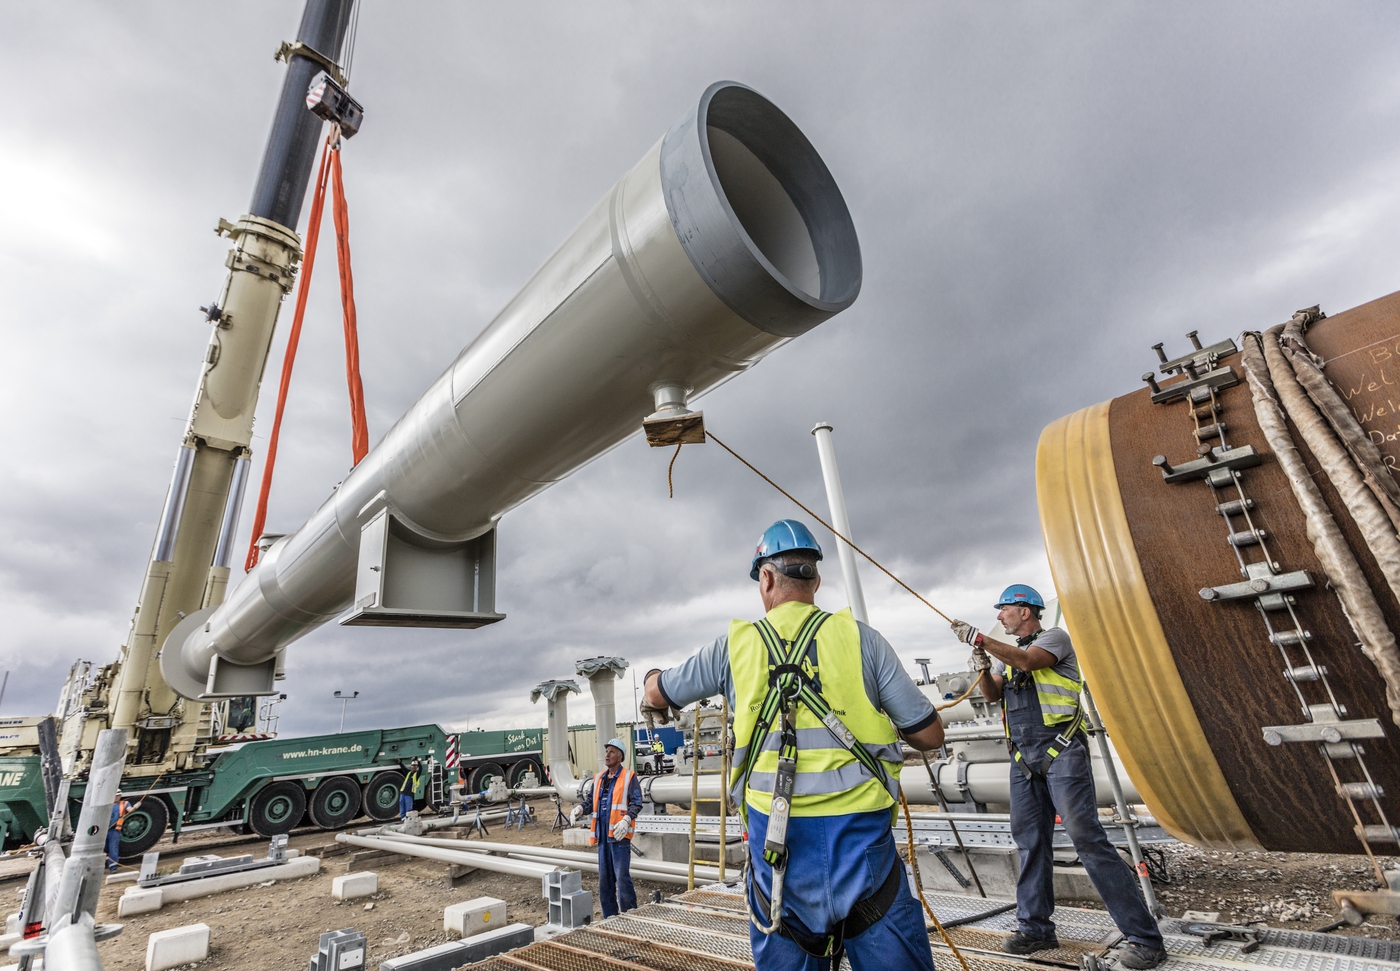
pixel 1268 587
pixel 409 577
pixel 1222 460
pixel 1328 733
pixel 1216 379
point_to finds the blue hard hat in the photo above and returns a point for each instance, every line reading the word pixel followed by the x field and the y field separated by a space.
pixel 781 537
pixel 1018 594
pixel 618 744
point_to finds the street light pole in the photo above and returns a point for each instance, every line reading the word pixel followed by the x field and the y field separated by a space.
pixel 345 700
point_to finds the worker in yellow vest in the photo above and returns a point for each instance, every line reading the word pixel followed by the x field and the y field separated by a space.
pixel 1038 679
pixel 820 704
pixel 617 801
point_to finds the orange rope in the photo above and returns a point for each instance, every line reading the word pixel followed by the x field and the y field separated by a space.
pixel 313 233
pixel 359 442
pixel 330 171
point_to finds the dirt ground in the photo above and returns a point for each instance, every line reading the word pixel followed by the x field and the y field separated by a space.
pixel 278 926
pixel 1292 891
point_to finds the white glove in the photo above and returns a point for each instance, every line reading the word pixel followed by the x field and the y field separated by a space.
pixel 622 828
pixel 980 660
pixel 966 633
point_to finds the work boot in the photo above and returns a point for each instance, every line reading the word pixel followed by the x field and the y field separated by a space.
pixel 1140 957
pixel 1019 943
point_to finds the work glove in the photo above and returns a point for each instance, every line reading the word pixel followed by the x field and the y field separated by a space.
pixel 966 633
pixel 980 660
pixel 662 715
pixel 621 828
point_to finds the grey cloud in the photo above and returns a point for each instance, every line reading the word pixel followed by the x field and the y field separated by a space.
pixel 1041 193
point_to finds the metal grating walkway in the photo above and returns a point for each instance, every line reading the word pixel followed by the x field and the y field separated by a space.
pixel 708 930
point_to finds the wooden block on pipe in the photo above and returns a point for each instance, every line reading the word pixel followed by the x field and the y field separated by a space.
pixel 323 850
pixel 456 871
pixel 365 856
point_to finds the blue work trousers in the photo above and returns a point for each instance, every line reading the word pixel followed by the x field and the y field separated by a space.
pixel 834 861
pixel 1067 789
pixel 114 844
pixel 615 890
pixel 405 804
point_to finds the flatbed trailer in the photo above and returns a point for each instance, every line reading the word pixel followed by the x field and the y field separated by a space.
pixel 273 785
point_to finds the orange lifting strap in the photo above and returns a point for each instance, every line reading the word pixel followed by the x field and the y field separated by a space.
pixel 359 443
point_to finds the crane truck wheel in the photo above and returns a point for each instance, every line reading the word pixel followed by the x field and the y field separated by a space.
pixel 142 828
pixel 381 796
pixel 277 808
pixel 521 769
pixel 482 775
pixel 335 802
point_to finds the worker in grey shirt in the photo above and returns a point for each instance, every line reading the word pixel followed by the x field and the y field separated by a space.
pixel 1037 679
pixel 817 804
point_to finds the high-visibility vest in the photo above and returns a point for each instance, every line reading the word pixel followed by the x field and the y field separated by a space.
pixel 830 780
pixel 1058 695
pixel 123 810
pixel 618 809
pixel 410 783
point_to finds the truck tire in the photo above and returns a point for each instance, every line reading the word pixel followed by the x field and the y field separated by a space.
pixel 520 769
pixel 335 802
pixel 482 775
pixel 143 828
pixel 277 808
pixel 381 796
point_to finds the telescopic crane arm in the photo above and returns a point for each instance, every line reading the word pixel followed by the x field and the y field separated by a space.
pixel 193 549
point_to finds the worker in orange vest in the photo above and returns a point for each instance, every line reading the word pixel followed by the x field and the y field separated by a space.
pixel 121 808
pixel 617 800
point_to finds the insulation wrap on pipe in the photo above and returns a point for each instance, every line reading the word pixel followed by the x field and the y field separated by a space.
pixel 1190 657
pixel 729 238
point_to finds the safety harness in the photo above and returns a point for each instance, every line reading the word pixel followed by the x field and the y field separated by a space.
pixel 788 684
pixel 1024 680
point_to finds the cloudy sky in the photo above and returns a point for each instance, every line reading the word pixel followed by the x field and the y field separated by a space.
pixel 1042 191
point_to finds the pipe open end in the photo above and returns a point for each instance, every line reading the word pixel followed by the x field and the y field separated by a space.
pixel 758 212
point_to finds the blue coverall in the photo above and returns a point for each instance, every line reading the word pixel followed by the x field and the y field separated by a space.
pixel 834 861
pixel 615 890
pixel 1067 789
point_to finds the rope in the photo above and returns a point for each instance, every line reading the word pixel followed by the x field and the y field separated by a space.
pixel 329 172
pixel 874 562
pixel 359 434
pixel 308 263
pixel 677 454
pixel 919 883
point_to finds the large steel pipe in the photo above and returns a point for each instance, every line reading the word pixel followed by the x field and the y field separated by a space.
pixel 727 239
pixel 1182 611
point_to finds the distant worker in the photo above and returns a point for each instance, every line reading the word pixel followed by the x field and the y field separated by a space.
pixel 821 738
pixel 658 754
pixel 1051 774
pixel 617 801
pixel 412 779
pixel 121 808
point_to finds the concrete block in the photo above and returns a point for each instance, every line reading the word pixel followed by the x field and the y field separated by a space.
pixel 12 923
pixel 177 946
pixel 354 885
pixel 124 876
pixel 175 892
pixel 140 900
pixel 575 839
pixel 455 954
pixel 474 916
pixel 10 939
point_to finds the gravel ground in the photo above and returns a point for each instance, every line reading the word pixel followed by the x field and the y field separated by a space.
pixel 1285 890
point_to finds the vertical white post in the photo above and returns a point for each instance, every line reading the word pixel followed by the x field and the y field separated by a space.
pixel 836 501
